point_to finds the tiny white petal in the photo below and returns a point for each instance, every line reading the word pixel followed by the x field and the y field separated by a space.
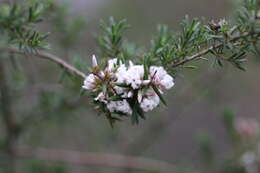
pixel 94 61
pixel 90 82
pixel 131 63
pixel 112 63
pixel 150 100
pixel 160 78
pixel 101 97
pixel 130 94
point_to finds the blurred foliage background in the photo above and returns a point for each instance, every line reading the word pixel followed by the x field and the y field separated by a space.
pixel 195 106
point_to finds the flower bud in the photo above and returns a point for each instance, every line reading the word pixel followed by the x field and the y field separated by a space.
pixel 94 61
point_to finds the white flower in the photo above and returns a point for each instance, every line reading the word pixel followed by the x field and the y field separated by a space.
pixel 123 92
pixel 160 78
pixel 111 65
pixel 122 80
pixel 119 106
pixel 167 82
pixel 149 100
pixel 101 97
pixel 135 75
pixel 90 82
pixel 121 74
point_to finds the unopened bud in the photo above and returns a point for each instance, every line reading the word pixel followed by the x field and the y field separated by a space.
pixel 94 61
pixel 214 26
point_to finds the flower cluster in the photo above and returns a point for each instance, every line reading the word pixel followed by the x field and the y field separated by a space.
pixel 127 89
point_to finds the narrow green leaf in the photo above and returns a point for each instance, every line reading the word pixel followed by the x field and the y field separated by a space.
pixel 159 94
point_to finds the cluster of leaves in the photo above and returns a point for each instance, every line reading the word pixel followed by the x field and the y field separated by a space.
pixel 225 41
pixel 168 48
pixel 110 42
pixel 18 22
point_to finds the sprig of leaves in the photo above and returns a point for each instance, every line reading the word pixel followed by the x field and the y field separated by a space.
pixel 110 41
pixel 18 23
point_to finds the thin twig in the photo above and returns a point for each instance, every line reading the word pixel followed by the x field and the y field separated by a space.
pixel 205 51
pixel 50 57
pixel 97 159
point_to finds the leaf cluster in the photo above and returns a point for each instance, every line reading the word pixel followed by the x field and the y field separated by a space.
pixel 110 41
pixel 226 42
pixel 18 23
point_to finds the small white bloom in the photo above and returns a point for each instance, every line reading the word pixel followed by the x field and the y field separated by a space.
pixel 167 82
pixel 94 61
pixel 123 92
pixel 121 74
pixel 112 64
pixel 90 82
pixel 131 64
pixel 121 77
pixel 101 97
pixel 149 101
pixel 119 106
pixel 130 94
pixel 160 77
pixel 135 75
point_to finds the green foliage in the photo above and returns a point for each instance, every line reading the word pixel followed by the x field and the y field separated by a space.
pixel 226 42
pixel 110 41
pixel 17 22
pixel 162 47
pixel 169 47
